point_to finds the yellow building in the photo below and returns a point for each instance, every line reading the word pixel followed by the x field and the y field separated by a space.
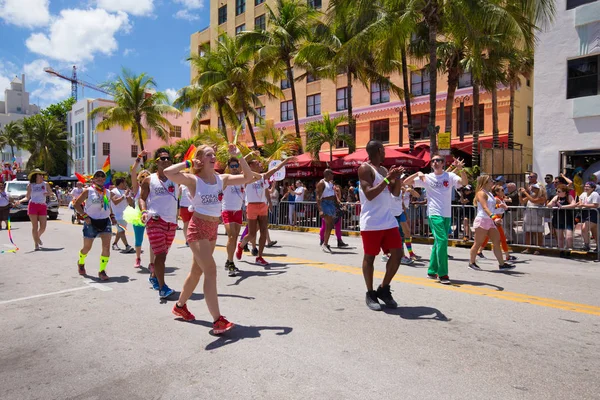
pixel 378 111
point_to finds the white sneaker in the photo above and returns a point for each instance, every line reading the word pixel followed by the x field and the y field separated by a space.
pixel 326 248
pixel 385 258
pixel 407 261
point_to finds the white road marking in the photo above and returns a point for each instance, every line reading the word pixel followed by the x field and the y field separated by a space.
pixel 45 294
pixel 96 285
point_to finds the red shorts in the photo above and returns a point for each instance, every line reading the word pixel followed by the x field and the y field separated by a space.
pixel 160 234
pixel 185 214
pixel 255 210
pixel 373 241
pixel 202 229
pixel 37 209
pixel 235 217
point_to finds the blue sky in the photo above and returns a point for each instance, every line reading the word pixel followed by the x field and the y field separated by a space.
pixel 99 37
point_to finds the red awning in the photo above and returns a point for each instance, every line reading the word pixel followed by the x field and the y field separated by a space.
pixel 306 160
pixel 392 157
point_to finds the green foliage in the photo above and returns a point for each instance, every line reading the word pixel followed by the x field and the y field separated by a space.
pixel 59 110
pixel 12 135
pixel 47 140
pixel 325 131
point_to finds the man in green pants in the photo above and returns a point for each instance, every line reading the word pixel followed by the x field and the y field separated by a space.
pixel 439 185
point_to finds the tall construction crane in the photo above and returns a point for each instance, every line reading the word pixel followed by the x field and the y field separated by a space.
pixel 74 82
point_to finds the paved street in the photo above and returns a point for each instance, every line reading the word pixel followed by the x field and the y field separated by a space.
pixel 303 329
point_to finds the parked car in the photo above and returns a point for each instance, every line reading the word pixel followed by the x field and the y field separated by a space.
pixel 18 190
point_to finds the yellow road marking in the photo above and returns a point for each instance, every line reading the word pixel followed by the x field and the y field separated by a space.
pixel 462 288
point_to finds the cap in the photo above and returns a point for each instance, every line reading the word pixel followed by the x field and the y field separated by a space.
pixel 468 187
pixel 500 178
pixel 98 170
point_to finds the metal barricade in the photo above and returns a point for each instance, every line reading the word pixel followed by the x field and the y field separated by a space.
pixel 534 228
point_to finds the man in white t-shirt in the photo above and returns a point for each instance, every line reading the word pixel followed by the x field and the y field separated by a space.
pixel 76 192
pixel 439 186
pixel 589 199
pixel 119 201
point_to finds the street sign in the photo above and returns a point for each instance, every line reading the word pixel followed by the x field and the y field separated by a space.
pixel 444 143
pixel 279 175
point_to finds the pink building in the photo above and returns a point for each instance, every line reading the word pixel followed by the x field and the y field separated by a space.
pixel 91 147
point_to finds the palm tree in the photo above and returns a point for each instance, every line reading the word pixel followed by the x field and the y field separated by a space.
pixel 325 131
pixel 12 136
pixel 334 49
pixel 278 144
pixel 289 24
pixel 137 107
pixel 44 138
pixel 520 64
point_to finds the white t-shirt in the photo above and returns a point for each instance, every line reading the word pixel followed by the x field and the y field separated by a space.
pixel 593 198
pixel 397 205
pixel 300 193
pixel 439 192
pixel 118 208
pixel 4 199
pixel 75 193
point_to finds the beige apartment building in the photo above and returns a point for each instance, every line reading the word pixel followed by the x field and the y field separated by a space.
pixel 379 113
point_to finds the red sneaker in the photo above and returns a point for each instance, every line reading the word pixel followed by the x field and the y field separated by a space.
pixel 102 275
pixel 222 325
pixel 239 251
pixel 183 312
pixel 138 263
pixel 81 269
pixel 261 261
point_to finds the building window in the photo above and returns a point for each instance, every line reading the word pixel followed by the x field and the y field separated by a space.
pixel 223 14
pixel 240 28
pixel 419 123
pixel 93 149
pixel 380 130
pixel 260 118
pixel 105 149
pixel 465 80
pixel 311 78
pixel 134 150
pixel 287 110
pixel 529 125
pixel 419 82
pixel 341 99
pixel 528 82
pixel 257 2
pixel 315 3
pixel 285 83
pixel 175 131
pixel 240 7
pixel 582 77
pixel 469 120
pixel 222 38
pixel 576 3
pixel 313 105
pixel 380 93
pixel 260 22
pixel 344 129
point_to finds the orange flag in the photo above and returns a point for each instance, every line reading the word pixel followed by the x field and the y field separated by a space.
pixel 190 153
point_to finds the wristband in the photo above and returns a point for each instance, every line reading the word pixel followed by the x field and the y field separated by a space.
pixel 386 180
pixel 188 164
pixel 84 216
pixel 112 215
pixel 495 217
pixel 239 155
pixel 144 212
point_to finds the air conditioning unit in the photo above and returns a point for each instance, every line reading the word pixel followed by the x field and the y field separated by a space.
pixel 530 167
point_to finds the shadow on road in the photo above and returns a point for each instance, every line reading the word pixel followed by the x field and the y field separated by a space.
pixel 200 296
pixel 49 249
pixel 510 273
pixel 458 283
pixel 243 275
pixel 117 279
pixel 418 313
pixel 239 332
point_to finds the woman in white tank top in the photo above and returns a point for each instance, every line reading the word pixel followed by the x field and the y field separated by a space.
pixel 485 223
pixel 98 220
pixel 37 191
pixel 206 190
pixel 138 227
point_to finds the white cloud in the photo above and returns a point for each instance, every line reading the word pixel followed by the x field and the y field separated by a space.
pixel 171 94
pixel 49 88
pixel 8 71
pixel 186 15
pixel 129 52
pixel 191 4
pixel 133 7
pixel 26 13
pixel 77 35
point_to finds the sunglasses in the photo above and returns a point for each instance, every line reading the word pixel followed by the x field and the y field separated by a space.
pixel 436 160
pixel 163 159
pixel 234 166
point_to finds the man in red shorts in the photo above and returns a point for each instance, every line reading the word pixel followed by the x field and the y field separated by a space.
pixel 158 202
pixel 378 226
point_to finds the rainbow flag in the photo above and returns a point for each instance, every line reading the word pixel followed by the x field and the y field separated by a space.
pixel 190 153
pixel 106 169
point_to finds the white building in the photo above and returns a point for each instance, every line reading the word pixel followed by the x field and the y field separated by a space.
pixel 567 91
pixel 91 147
pixel 15 107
